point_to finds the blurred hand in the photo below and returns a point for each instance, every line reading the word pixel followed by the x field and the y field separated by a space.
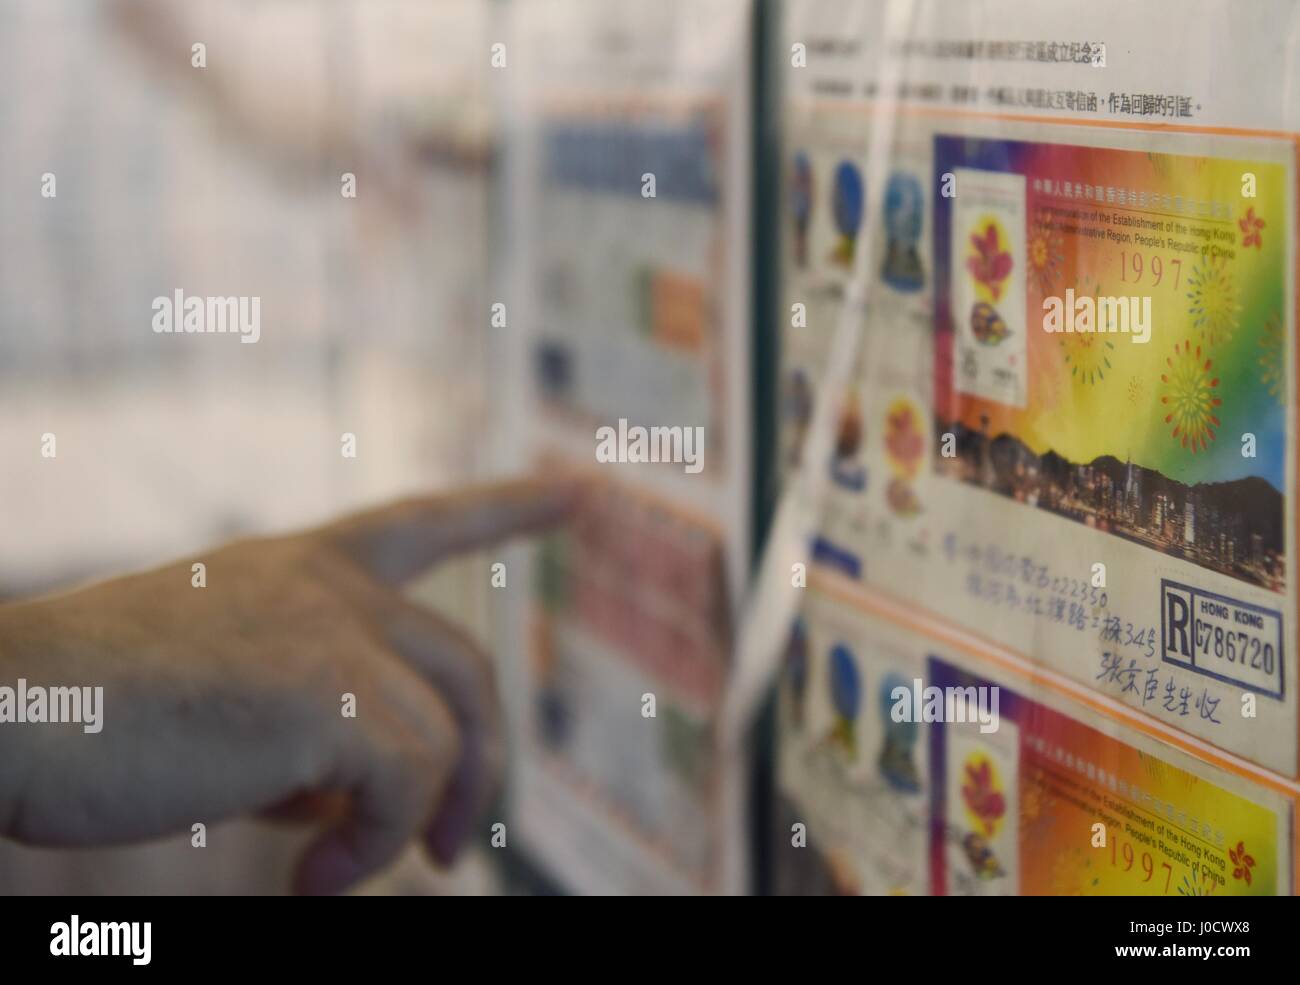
pixel 227 700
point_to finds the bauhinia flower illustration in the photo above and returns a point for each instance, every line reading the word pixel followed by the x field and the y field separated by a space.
pixel 1242 863
pixel 989 264
pixel 904 441
pixel 982 796
pixel 1250 225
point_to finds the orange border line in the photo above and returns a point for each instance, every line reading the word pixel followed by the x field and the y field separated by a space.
pixel 859 105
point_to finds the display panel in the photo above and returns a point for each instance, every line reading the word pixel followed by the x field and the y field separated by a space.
pixel 908 765
pixel 633 347
pixel 1069 424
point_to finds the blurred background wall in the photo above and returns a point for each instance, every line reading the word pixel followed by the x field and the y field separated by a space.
pixel 226 180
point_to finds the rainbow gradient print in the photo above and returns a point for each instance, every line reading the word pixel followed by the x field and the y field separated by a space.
pixel 1168 832
pixel 1178 443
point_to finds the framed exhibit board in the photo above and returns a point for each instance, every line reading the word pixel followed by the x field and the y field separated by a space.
pixel 1066 271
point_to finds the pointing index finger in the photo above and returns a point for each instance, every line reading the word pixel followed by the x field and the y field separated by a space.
pixel 396 542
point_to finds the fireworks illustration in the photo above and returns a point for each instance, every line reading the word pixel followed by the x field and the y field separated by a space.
pixel 1136 390
pixel 1039 812
pixel 1194 884
pixel 1189 397
pixel 1272 360
pixel 1088 354
pixel 1169 166
pixel 1212 300
pixel 1045 256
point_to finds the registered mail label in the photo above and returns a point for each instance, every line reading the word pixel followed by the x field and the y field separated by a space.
pixel 1231 641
